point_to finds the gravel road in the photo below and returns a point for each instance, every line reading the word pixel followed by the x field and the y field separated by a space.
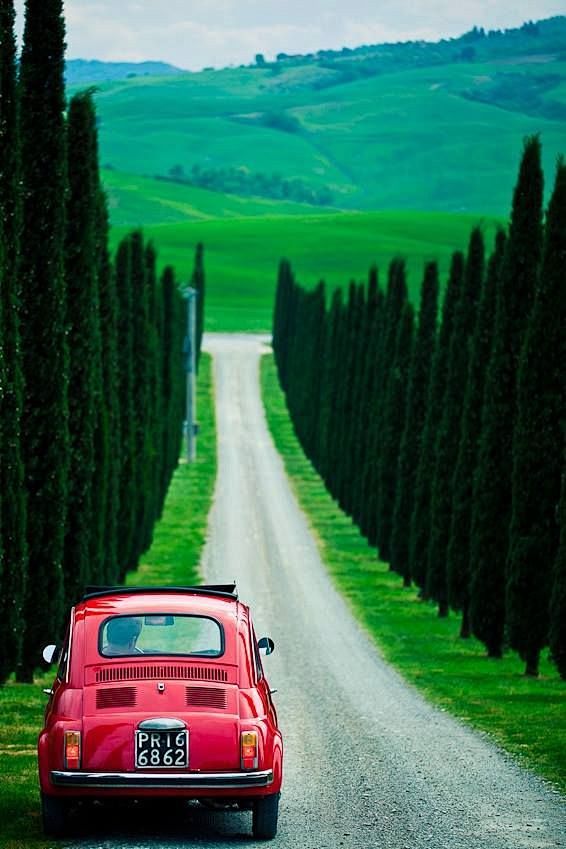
pixel 368 762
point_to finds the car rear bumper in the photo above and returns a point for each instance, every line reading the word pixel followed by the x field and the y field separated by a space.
pixel 162 781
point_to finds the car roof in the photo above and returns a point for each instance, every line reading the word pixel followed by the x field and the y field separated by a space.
pixel 205 600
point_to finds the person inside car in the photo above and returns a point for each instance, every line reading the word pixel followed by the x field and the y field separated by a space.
pixel 122 634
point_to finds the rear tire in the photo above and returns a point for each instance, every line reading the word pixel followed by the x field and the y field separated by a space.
pixel 54 814
pixel 264 817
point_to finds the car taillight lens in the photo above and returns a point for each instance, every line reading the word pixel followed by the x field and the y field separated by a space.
pixel 72 749
pixel 249 749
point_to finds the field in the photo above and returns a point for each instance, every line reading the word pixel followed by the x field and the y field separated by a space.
pixel 242 254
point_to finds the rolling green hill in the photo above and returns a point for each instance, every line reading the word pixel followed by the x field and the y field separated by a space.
pixel 405 128
pixel 436 127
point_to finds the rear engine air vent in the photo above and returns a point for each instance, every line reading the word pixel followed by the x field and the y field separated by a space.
pixel 117 697
pixel 158 671
pixel 206 697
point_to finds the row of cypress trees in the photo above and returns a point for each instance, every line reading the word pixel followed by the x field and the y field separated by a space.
pixel 91 380
pixel 443 436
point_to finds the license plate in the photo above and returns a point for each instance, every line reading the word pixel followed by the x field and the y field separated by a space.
pixel 162 749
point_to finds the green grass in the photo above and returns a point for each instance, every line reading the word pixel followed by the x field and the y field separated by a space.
pixel 21 706
pixel 172 559
pixel 523 715
pixel 242 254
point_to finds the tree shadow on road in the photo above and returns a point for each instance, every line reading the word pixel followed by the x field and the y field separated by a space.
pixel 164 824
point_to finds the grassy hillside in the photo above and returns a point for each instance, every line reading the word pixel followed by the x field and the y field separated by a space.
pixel 403 127
pixel 414 126
pixel 242 254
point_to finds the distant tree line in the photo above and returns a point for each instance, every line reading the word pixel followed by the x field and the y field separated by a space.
pixel 526 93
pixel 91 380
pixel 240 181
pixel 476 45
pixel 443 437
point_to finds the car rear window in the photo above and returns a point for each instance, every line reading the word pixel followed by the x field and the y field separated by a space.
pixel 159 634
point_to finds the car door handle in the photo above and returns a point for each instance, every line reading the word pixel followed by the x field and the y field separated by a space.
pixel 271 692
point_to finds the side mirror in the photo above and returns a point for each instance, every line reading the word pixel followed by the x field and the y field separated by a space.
pixel 266 645
pixel 49 653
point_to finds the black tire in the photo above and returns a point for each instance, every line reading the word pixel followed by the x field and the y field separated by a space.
pixel 264 817
pixel 54 814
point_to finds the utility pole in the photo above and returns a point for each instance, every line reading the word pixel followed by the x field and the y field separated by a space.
pixel 189 351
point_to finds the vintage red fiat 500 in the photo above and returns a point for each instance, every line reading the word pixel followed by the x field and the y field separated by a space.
pixel 160 692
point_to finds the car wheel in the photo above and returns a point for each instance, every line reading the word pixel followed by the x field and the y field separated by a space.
pixel 54 814
pixel 264 817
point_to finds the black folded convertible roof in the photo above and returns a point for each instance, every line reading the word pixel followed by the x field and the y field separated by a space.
pixel 222 590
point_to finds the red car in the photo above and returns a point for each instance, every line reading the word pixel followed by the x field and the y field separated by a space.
pixel 160 692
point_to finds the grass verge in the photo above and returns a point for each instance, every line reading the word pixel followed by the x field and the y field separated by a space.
pixel 525 716
pixel 173 558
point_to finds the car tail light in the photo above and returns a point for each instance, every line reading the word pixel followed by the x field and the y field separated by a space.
pixel 249 749
pixel 72 749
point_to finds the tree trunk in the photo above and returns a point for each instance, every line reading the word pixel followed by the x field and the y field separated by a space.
pixel 495 651
pixel 465 628
pixel 531 663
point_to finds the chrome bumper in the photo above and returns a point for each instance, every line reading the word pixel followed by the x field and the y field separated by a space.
pixel 160 781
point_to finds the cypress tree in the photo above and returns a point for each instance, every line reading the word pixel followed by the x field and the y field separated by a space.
pixel 84 345
pixel 198 283
pixel 284 325
pixel 281 317
pixel 350 365
pixel 365 512
pixel 5 658
pixel 313 371
pixel 410 448
pixel 558 599
pixel 142 399
pixel 160 409
pixel 449 432
pixel 367 389
pixel 420 519
pixel 171 365
pixel 13 503
pixel 458 556
pixel 151 424
pixel 329 383
pixel 126 492
pixel 393 307
pixel 103 543
pixel 492 485
pixel 109 430
pixel 45 436
pixel 537 442
pixel 338 403
pixel 179 375
pixel 356 371
pixel 291 348
pixel 393 423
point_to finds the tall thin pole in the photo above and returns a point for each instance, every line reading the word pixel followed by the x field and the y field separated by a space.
pixel 190 368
